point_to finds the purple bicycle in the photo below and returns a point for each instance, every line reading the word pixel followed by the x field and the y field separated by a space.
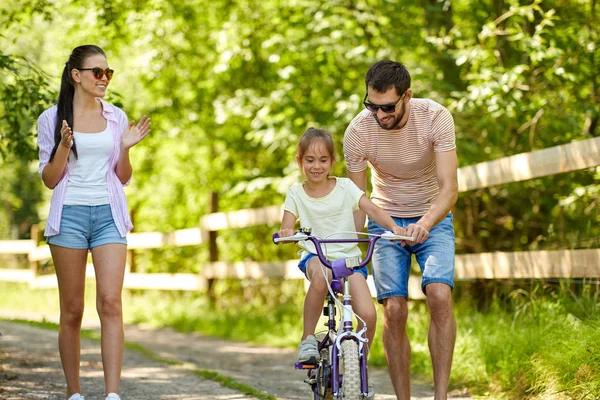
pixel 342 371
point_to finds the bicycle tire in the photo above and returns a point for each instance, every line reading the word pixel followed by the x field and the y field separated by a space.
pixel 322 387
pixel 351 378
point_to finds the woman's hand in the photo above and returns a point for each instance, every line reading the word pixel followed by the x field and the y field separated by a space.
pixel 66 135
pixel 134 134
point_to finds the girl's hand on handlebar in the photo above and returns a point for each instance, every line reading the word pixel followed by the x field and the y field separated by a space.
pixel 286 233
pixel 418 232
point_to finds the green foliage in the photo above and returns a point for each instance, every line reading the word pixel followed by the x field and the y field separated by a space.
pixel 538 341
pixel 20 195
pixel 24 94
pixel 231 87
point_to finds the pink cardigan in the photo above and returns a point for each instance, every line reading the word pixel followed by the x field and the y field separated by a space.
pixel 118 123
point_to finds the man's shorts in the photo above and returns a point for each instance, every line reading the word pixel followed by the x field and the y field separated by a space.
pixel 391 262
pixel 86 227
pixel 304 262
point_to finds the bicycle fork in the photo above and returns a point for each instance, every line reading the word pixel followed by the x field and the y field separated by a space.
pixel 346 334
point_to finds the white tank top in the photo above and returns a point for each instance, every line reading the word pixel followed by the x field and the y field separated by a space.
pixel 87 174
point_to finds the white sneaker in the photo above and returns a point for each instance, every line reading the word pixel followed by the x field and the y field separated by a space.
pixel 76 396
pixel 113 396
pixel 308 351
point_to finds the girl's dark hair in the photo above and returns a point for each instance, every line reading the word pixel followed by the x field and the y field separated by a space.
pixel 308 138
pixel 384 74
pixel 67 91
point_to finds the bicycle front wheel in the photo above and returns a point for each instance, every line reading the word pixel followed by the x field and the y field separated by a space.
pixel 351 380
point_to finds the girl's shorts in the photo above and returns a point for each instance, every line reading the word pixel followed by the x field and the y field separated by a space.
pixel 304 262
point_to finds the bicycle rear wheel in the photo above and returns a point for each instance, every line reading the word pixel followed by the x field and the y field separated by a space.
pixel 351 378
pixel 322 387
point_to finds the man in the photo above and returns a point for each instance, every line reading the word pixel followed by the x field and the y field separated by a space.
pixel 409 144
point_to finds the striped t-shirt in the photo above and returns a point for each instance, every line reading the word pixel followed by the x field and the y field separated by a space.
pixel 402 161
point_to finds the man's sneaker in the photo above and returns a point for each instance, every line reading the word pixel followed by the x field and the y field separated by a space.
pixel 308 351
pixel 113 396
pixel 76 396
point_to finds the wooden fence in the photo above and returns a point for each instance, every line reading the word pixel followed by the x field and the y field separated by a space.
pixel 532 264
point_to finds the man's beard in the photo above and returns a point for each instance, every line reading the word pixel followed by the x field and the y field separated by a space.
pixel 390 125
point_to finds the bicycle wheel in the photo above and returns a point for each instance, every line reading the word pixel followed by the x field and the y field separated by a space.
pixel 351 379
pixel 322 386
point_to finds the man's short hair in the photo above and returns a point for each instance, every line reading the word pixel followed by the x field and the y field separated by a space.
pixel 386 73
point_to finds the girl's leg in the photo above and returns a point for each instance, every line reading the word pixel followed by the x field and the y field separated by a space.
pixel 313 302
pixel 109 263
pixel 70 272
pixel 362 304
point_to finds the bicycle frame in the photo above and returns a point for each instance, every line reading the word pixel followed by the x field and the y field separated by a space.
pixel 334 340
pixel 327 373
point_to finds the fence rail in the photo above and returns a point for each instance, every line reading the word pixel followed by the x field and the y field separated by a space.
pixel 533 264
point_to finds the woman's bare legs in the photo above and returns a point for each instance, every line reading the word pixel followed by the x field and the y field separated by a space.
pixel 70 272
pixel 109 264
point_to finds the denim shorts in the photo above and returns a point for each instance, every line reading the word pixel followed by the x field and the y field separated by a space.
pixel 304 262
pixel 391 262
pixel 86 227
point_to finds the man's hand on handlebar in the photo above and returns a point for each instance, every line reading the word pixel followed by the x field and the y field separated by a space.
pixel 397 230
pixel 418 232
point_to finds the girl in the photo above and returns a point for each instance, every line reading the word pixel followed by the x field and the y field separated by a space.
pixel 84 146
pixel 327 205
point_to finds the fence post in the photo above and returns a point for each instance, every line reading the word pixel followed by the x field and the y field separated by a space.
pixel 35 238
pixel 213 250
pixel 130 265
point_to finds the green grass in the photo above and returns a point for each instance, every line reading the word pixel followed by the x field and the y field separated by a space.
pixel 527 341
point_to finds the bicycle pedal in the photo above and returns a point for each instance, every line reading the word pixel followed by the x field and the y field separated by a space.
pixel 300 365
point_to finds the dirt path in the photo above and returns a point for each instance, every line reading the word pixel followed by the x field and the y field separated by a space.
pixel 31 368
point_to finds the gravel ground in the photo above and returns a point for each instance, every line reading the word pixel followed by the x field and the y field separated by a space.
pixel 30 368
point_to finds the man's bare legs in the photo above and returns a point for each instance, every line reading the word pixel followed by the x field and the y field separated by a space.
pixel 70 272
pixel 442 336
pixel 109 263
pixel 396 345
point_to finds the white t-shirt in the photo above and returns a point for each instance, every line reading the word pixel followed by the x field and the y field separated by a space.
pixel 87 174
pixel 326 215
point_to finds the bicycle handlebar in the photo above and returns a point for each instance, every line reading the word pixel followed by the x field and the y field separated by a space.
pixel 336 265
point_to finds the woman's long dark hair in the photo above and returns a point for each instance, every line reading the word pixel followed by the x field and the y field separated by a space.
pixel 67 91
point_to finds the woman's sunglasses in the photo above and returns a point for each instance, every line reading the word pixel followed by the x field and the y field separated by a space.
pixel 386 108
pixel 99 72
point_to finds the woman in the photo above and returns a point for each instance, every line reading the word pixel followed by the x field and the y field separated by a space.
pixel 84 146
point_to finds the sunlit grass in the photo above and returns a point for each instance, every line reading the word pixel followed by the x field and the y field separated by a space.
pixel 543 342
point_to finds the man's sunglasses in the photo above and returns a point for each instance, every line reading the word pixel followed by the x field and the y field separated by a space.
pixel 386 108
pixel 99 72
